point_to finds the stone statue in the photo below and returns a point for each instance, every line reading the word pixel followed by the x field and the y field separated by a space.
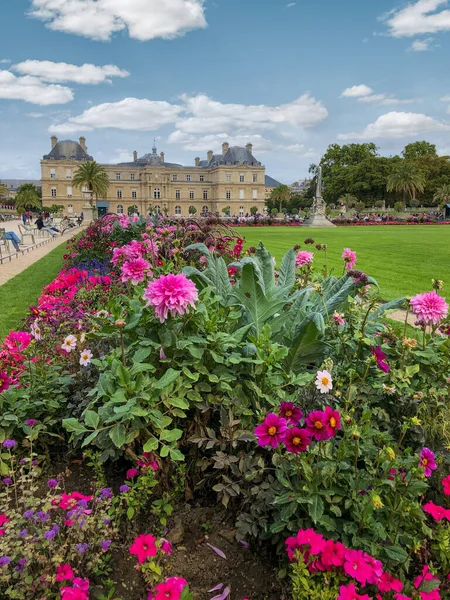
pixel 318 216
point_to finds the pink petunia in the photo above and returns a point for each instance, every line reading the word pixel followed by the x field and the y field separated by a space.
pixel 349 258
pixel 143 547
pixel 430 308
pixel 308 537
pixel 296 440
pixel 171 293
pixel 427 462
pixel 4 381
pixel 437 512
pixel 446 485
pixel 64 573
pixel 387 583
pixel 272 431
pixel 426 575
pixel 333 554
pixel 316 425
pixel 356 566
pixel 348 592
pixel 290 412
pixel 171 589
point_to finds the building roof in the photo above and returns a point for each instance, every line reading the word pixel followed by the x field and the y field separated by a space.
pixel 152 158
pixel 68 150
pixel 14 184
pixel 271 182
pixel 236 155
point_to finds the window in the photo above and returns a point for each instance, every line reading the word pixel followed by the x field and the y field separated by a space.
pixel 68 173
pixel 191 195
pixel 117 176
pixel 178 210
pixel 241 194
pixel 228 194
pixel 188 177
pixel 133 193
pixel 158 209
pixel 69 191
pixel 205 210
pixel 174 177
pixel 53 192
pixel 119 209
pixel 242 177
pixel 241 211
pixel 228 176
pixel 70 209
pixel 255 177
pixel 205 194
pixel 132 176
pixel 202 178
pixel 177 194
pixel 119 194
pixel 53 173
pixel 255 194
pixel 156 193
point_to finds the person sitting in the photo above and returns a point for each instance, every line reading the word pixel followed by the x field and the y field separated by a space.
pixel 12 237
pixel 40 225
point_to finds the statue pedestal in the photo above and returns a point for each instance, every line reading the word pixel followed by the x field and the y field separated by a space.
pixel 318 221
pixel 88 212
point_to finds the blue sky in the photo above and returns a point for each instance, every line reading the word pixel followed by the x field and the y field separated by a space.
pixel 291 77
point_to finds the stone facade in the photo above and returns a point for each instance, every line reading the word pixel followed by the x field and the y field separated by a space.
pixel 232 179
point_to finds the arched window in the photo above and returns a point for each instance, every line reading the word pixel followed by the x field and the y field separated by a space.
pixel 157 193
pixel 119 209
pixel 205 210
pixel 178 210
pixel 70 209
pixel 241 211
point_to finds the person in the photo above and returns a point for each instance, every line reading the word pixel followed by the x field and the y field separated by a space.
pixel 24 218
pixel 12 237
pixel 40 225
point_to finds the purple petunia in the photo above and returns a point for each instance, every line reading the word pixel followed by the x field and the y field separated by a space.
pixel 42 516
pixel 23 533
pixel 107 521
pixel 28 514
pixel 9 443
pixel 105 493
pixel 52 483
pixel 81 548
pixel 50 534
pixel 124 488
pixel 4 560
pixel 105 545
pixel 7 481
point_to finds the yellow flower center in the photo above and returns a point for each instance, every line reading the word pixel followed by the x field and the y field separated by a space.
pixel 318 424
pixel 296 441
pixel 424 462
pixel 272 430
pixel 333 422
pixel 325 381
pixel 288 413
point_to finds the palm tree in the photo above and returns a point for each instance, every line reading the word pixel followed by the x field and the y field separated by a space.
pixel 407 179
pixel 280 195
pixel 27 199
pixel 442 195
pixel 94 177
pixel 3 190
pixel 348 200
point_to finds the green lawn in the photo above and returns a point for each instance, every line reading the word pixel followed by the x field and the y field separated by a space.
pixel 402 259
pixel 23 290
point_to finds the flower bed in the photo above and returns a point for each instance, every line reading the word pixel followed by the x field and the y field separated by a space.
pixel 182 372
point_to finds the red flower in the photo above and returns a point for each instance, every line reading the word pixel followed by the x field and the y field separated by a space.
pixel 349 593
pixel 356 566
pixel 296 440
pixel 388 583
pixel 69 501
pixel 290 412
pixel 333 554
pixel 144 547
pixel 316 425
pixel 3 519
pixel 272 431
pixel 446 485
pixel 64 573
pixel 308 537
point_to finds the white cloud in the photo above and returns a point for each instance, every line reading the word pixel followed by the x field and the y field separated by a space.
pixel 100 19
pixel 417 18
pixel 445 99
pixel 211 116
pixel 33 90
pixel 291 4
pixel 357 91
pixel 203 143
pixel 60 72
pixel 128 114
pixel 5 61
pixel 421 45
pixel 299 149
pixel 35 115
pixel 396 125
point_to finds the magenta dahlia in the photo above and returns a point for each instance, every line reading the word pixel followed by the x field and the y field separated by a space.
pixel 171 293
pixel 430 308
pixel 272 431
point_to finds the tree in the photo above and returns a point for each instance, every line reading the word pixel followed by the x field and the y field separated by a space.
pixel 407 179
pixel 226 210
pixel 348 200
pixel 253 210
pixel 27 199
pixel 274 212
pixel 442 195
pixel 93 176
pixel 398 207
pixel 192 210
pixel 280 195
pixel 419 150
pixel 3 190
pixel 32 188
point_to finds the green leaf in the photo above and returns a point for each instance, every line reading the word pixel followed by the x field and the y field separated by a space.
pixel 429 586
pixel 151 444
pixel 396 553
pixel 175 454
pixel 123 376
pixel 164 451
pixel 316 508
pixel 171 435
pixel 167 379
pixel 90 438
pixel 91 419
pixel 74 426
pixel 130 513
pixel 117 435
pixel 178 402
pixel 286 277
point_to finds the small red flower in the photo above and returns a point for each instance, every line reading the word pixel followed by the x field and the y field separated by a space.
pixel 296 440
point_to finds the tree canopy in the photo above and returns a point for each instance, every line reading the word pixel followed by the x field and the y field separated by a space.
pixel 92 176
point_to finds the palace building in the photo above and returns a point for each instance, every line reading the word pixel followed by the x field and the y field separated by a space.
pixel 233 179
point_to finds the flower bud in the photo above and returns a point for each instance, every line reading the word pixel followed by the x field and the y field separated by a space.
pixel 377 502
pixel 120 323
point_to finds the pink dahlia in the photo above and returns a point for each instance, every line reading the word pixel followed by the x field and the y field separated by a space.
pixel 304 258
pixel 357 567
pixel 349 258
pixel 427 462
pixel 171 293
pixel 134 270
pixel 296 440
pixel 290 412
pixel 430 308
pixel 332 421
pixel 379 356
pixel 272 431
pixel 445 481
pixel 316 425
pixel 4 381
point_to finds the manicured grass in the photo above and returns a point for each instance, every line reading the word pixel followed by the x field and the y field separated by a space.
pixel 23 290
pixel 403 259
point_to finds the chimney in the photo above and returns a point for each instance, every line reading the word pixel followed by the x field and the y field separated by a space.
pixel 210 155
pixel 249 148
pixel 54 141
pixel 225 147
pixel 197 161
pixel 135 156
pixel 83 143
pixel 162 156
